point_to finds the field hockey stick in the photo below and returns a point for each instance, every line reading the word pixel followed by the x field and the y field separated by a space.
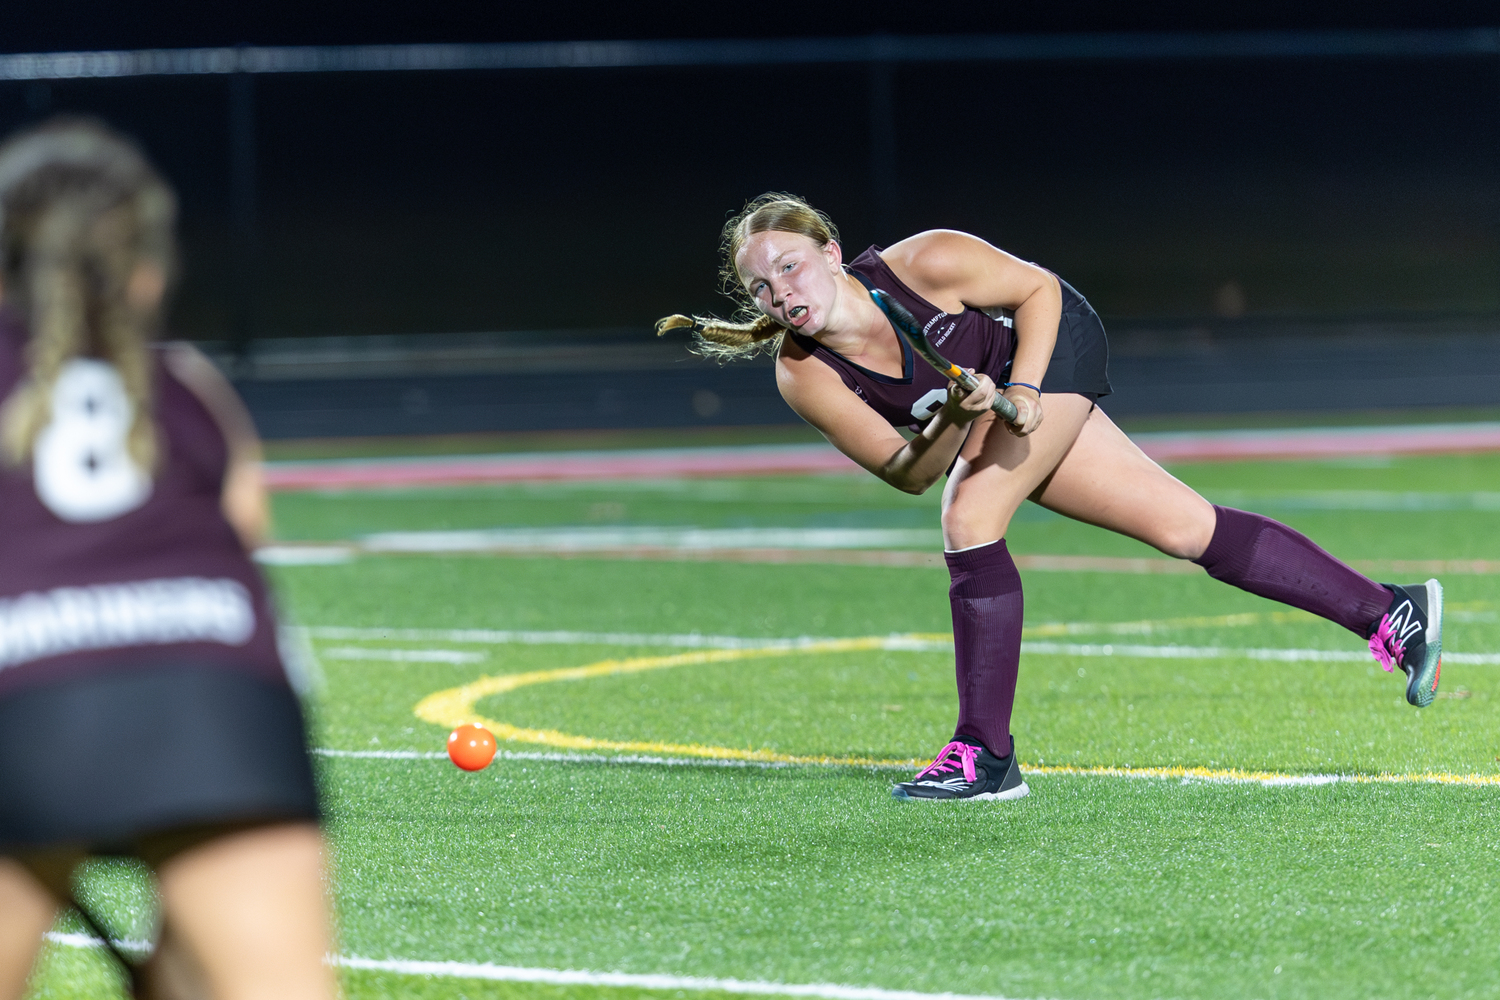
pixel 906 323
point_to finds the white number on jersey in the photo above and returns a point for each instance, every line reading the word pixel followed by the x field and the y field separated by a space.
pixel 929 404
pixel 82 468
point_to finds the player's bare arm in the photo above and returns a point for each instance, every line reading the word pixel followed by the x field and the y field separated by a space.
pixel 815 392
pixel 953 270
pixel 244 495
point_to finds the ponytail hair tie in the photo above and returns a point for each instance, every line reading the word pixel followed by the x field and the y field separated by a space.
pixel 1026 385
pixel 678 322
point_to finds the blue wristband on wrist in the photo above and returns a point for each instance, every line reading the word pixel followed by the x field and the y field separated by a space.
pixel 1026 385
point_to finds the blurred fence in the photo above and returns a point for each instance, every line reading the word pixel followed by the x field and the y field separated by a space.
pixel 447 188
pixel 1228 201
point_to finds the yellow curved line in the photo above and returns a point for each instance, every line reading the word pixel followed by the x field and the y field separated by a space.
pixel 455 706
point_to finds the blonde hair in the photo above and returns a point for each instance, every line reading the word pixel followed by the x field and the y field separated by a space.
pixel 80 210
pixel 751 332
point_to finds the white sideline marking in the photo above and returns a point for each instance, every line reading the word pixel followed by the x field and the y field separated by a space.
pixel 384 754
pixel 89 941
pixel 691 640
pixel 304 555
pixel 908 643
pixel 401 655
pixel 1181 774
pixel 585 539
pixel 569 977
pixel 577 758
pixel 1230 653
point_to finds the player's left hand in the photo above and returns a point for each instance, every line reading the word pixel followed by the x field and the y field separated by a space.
pixel 1028 410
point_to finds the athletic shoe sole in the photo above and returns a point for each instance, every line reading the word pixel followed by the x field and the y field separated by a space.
pixel 1019 792
pixel 1422 683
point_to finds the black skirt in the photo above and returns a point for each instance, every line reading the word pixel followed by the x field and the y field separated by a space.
pixel 1080 361
pixel 101 761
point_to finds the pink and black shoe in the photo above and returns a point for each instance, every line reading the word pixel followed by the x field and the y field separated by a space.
pixel 1410 636
pixel 966 770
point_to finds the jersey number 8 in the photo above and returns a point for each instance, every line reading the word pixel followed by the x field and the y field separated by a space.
pixel 83 469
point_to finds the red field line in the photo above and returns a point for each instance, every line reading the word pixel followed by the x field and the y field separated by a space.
pixel 346 474
pixel 1132 565
pixel 1321 442
pixel 662 464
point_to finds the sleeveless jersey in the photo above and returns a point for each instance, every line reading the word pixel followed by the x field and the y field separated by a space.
pixel 103 568
pixel 970 339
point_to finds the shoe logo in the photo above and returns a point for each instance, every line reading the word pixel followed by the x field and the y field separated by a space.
pixel 1404 622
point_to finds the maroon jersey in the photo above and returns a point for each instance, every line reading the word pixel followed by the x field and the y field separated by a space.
pixel 103 567
pixel 970 339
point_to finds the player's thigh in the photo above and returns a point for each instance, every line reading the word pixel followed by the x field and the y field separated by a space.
pixel 1105 479
pixel 996 470
pixel 250 907
pixel 27 910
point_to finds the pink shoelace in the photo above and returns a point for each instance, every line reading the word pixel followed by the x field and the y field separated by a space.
pixel 1387 649
pixel 952 756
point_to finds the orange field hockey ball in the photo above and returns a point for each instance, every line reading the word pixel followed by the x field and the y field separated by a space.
pixel 471 747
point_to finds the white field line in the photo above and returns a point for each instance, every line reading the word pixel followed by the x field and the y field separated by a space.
pixel 1230 653
pixel 586 539
pixel 331 554
pixel 401 655
pixel 504 637
pixel 581 758
pixel 89 941
pixel 903 643
pixel 568 977
pixel 572 977
pixel 1182 775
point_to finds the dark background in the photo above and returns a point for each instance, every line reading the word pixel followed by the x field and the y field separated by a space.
pixel 426 202
pixel 1191 200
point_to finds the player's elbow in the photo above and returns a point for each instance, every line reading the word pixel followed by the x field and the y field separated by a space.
pixel 907 483
pixel 1047 287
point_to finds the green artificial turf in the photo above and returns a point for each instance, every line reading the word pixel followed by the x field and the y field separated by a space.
pixel 1094 886
pixel 1094 711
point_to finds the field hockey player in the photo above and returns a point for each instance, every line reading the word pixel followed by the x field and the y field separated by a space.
pixel 1028 334
pixel 144 709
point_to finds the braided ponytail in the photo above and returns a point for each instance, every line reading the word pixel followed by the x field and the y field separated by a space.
pixel 751 332
pixel 726 340
pixel 80 211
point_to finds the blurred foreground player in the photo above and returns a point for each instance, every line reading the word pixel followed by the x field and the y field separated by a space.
pixel 144 709
pixel 845 370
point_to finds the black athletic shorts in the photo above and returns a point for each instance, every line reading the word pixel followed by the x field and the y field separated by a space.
pixel 1080 361
pixel 101 762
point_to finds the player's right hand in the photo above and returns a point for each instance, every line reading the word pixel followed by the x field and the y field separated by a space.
pixel 964 405
pixel 1028 411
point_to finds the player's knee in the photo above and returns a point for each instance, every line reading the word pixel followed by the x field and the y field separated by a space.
pixel 965 525
pixel 1184 540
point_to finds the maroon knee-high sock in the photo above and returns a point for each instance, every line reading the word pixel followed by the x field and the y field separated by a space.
pixel 987 606
pixel 1269 559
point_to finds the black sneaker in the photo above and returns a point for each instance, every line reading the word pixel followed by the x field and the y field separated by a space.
pixel 966 770
pixel 1410 636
